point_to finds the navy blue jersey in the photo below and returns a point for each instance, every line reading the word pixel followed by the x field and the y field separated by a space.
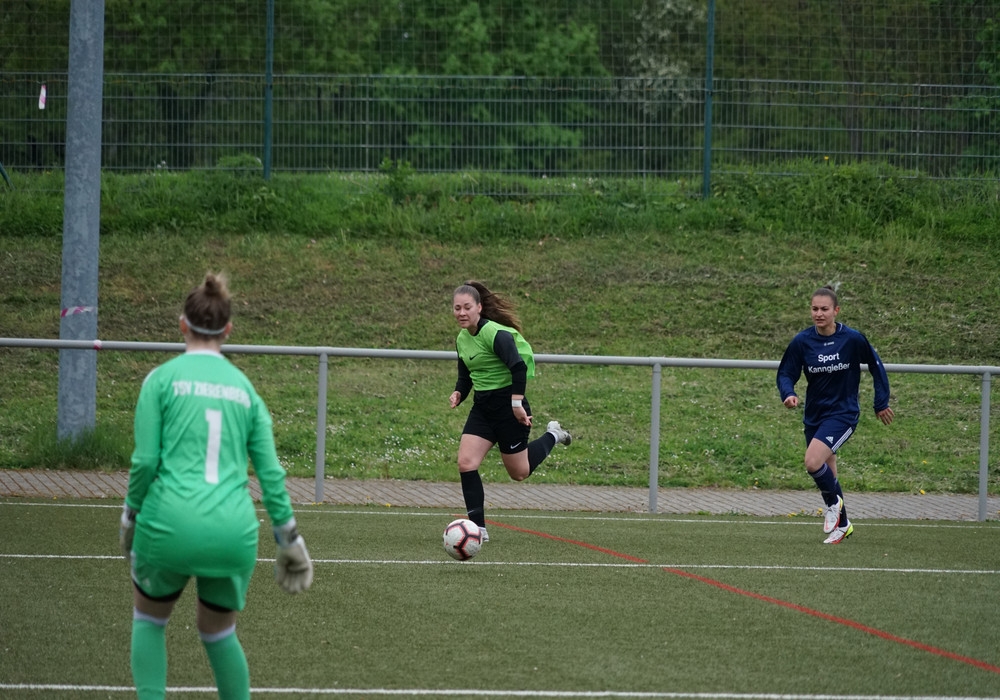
pixel 832 364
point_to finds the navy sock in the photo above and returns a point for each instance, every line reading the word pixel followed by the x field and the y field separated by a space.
pixel 827 484
pixel 475 497
pixel 539 449
pixel 843 509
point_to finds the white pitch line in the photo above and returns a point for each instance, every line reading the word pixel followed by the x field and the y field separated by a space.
pixel 645 518
pixel 742 567
pixel 450 692
pixel 93 557
pixel 58 504
pixel 584 565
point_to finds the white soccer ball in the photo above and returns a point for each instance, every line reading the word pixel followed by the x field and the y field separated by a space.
pixel 462 539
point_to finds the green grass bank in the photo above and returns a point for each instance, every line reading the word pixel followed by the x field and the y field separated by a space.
pixel 602 267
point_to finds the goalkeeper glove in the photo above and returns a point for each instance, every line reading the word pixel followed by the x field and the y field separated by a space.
pixel 293 569
pixel 126 531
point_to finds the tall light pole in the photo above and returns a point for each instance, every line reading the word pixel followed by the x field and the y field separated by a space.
pixel 81 218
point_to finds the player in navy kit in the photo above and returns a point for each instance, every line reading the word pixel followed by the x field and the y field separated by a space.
pixel 831 355
pixel 495 360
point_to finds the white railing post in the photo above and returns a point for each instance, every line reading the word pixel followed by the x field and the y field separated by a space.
pixel 984 446
pixel 321 427
pixel 654 440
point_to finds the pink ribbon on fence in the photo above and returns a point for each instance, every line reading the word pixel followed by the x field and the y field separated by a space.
pixel 74 310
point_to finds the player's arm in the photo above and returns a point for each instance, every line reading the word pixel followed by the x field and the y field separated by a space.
pixel 270 473
pixel 293 569
pixel 789 372
pixel 148 433
pixel 148 437
pixel 506 349
pixel 880 381
pixel 463 385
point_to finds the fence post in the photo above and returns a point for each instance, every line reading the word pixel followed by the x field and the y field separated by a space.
pixel 984 445
pixel 268 89
pixel 654 439
pixel 321 427
pixel 706 168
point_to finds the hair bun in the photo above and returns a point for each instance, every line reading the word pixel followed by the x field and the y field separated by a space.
pixel 215 285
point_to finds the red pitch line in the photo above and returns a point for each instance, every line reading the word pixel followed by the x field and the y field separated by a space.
pixel 585 545
pixel 774 601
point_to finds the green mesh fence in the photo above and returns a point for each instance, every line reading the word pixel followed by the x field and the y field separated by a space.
pixel 568 87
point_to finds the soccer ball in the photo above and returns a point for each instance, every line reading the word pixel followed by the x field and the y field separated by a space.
pixel 462 539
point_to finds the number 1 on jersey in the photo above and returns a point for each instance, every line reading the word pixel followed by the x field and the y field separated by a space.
pixel 214 419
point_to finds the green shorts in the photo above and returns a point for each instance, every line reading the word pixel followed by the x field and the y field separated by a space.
pixel 228 592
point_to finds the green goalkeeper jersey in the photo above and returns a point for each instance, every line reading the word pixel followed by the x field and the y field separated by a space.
pixel 198 422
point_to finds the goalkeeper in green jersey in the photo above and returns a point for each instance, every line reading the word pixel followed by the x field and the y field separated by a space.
pixel 188 512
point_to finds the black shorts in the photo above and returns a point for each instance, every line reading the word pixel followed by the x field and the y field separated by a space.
pixel 492 418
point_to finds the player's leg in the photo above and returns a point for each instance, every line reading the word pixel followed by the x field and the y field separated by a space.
pixel 148 653
pixel 521 465
pixel 472 450
pixel 518 464
pixel 827 483
pixel 219 599
pixel 478 438
pixel 539 449
pixel 229 663
pixel 831 462
pixel 817 458
pixel 513 441
pixel 520 456
pixel 821 463
pixel 818 455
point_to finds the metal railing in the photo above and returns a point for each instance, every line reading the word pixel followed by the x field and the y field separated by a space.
pixel 656 363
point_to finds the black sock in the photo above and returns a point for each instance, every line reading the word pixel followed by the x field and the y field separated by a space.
pixel 539 449
pixel 475 497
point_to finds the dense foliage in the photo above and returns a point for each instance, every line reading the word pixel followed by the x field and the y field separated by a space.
pixel 827 200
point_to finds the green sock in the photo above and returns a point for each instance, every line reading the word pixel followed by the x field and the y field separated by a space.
pixel 149 657
pixel 229 664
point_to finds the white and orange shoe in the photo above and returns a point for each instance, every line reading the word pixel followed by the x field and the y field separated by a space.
pixel 840 534
pixel 831 515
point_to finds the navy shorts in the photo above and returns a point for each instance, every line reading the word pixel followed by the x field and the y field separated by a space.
pixel 834 432
pixel 492 418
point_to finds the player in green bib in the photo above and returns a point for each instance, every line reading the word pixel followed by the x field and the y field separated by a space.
pixel 188 512
pixel 496 361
